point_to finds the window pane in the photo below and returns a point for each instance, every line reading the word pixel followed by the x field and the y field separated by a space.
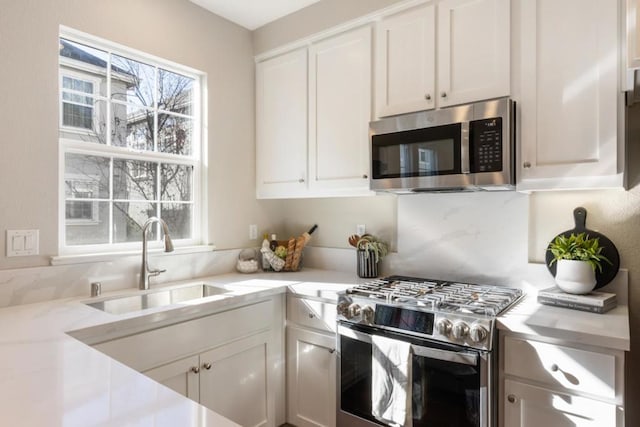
pixel 132 81
pixel 175 92
pixel 176 182
pixel 79 57
pixel 174 134
pixel 134 180
pixel 86 176
pixel 132 127
pixel 87 223
pixel 128 219
pixel 178 219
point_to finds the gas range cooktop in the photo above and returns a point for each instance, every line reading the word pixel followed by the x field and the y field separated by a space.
pixel 448 311
pixel 438 294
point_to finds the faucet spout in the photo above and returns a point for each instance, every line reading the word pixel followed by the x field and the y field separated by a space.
pixel 145 272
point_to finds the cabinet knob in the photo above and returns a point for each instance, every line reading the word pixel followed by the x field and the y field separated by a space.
pixel 554 368
pixel 311 316
pixel 365 176
pixel 332 350
pixel 195 369
pixel 206 366
pixel 511 398
pixel 301 180
pixel 443 94
pixel 428 97
pixel 526 165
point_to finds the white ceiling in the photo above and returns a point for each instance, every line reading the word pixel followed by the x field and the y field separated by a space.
pixel 253 14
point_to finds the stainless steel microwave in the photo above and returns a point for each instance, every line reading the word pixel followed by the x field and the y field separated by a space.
pixel 464 148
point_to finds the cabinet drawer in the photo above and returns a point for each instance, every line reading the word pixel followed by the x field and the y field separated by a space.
pixel 311 313
pixel 556 365
pixel 150 349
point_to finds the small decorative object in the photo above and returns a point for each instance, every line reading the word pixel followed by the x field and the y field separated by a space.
pixel 578 257
pixel 605 250
pixel 286 255
pixel 370 251
pixel 247 261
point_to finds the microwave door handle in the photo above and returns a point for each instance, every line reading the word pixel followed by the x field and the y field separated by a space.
pixel 464 358
pixel 464 148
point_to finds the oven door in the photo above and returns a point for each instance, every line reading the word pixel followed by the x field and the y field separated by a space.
pixel 451 385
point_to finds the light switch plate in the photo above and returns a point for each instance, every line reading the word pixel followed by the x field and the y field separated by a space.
pixel 22 242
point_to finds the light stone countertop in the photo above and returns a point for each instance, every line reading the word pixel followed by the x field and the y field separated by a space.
pixel 50 378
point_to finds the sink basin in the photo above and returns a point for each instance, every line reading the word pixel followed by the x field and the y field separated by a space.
pixel 121 305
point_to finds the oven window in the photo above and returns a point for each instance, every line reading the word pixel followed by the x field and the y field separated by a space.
pixel 420 152
pixel 444 393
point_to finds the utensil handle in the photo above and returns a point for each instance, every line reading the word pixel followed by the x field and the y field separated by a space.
pixel 580 218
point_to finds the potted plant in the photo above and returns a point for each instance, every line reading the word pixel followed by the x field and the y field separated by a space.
pixel 578 256
pixel 370 251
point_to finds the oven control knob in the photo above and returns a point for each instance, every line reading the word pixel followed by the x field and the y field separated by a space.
pixel 478 333
pixel 354 311
pixel 443 327
pixel 367 314
pixel 343 309
pixel 459 330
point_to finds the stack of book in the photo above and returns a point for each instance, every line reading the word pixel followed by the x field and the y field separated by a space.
pixel 595 302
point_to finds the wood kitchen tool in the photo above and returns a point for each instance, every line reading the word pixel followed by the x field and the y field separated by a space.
pixel 609 250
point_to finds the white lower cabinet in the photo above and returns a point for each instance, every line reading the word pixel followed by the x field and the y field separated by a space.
pixel 311 372
pixel 531 406
pixel 311 363
pixel 230 362
pixel 550 383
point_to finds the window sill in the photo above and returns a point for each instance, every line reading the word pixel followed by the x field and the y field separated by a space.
pixel 111 256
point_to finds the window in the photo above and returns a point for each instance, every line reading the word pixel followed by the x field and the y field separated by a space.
pixel 130 138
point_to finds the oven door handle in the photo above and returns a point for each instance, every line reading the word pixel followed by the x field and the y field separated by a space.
pixel 463 357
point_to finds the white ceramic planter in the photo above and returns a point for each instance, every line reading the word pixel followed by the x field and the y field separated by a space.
pixel 575 277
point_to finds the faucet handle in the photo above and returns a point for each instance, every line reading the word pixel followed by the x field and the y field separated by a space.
pixel 156 272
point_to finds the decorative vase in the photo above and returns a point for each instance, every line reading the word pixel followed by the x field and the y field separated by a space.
pixel 367 264
pixel 575 277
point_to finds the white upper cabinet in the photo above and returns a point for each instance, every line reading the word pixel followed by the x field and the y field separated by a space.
pixel 633 40
pixel 473 50
pixel 404 62
pixel 281 124
pixel 571 102
pixel 470 52
pixel 339 112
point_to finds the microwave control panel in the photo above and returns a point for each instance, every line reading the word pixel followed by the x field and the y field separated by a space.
pixel 485 143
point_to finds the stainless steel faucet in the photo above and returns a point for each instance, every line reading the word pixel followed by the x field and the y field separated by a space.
pixel 168 247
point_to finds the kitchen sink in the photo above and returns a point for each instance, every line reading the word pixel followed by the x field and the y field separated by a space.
pixel 160 298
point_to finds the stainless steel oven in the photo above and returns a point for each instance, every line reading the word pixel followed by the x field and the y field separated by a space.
pixel 451 385
pixel 428 345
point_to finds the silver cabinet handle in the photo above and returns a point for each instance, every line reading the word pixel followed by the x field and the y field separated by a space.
pixel 511 398
pixel 554 368
pixel 206 366
pixel 526 165
pixel 195 369
pixel 443 94
pixel 428 97
pixel 332 350
pixel 301 180
pixel 365 176
pixel 311 316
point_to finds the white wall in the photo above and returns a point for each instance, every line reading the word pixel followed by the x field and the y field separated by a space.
pixel 176 30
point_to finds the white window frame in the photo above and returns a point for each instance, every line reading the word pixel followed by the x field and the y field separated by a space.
pixel 197 159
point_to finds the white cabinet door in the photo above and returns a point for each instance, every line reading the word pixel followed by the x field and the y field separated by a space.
pixel 633 35
pixel 181 376
pixel 529 406
pixel 405 62
pixel 311 375
pixel 235 381
pixel 570 104
pixel 473 45
pixel 339 113
pixel 281 125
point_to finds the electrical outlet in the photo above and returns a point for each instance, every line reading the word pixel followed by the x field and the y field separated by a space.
pixel 253 232
pixel 361 229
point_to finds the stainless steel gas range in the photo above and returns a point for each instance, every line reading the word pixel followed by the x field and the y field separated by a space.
pixel 447 330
